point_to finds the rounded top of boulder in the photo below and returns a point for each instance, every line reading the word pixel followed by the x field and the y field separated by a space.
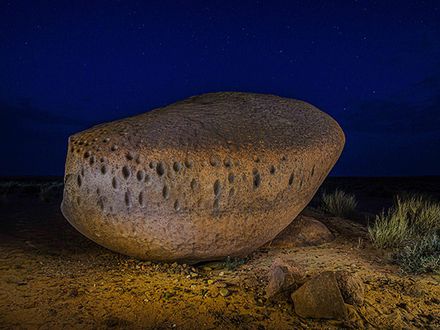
pixel 226 119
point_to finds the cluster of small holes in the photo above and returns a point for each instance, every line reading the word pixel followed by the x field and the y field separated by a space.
pixel 160 169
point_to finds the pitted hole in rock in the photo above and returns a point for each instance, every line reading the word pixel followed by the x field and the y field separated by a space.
pixel 151 165
pixel 313 171
pixel 105 140
pixel 291 179
pixel 284 158
pixel 257 179
pixel 115 183
pixel 127 198
pixel 188 163
pixel 140 175
pixel 126 172
pixel 194 184
pixel 141 199
pixel 114 147
pixel 82 171
pixel 103 169
pixel 217 188
pixel 228 163
pixel 100 203
pixel 272 170
pixel 92 160
pixel 160 169
pixel 177 167
pixel 216 204
pixel 102 160
pixel 86 154
pixel 177 205
pixel 98 191
pixel 165 192
pixel 79 180
pixel 214 161
pixel 129 156
pixel 147 179
pixel 257 159
pixel 231 177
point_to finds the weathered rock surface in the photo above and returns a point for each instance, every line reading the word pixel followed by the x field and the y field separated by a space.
pixel 303 231
pixel 283 278
pixel 320 298
pixel 212 176
pixel 351 287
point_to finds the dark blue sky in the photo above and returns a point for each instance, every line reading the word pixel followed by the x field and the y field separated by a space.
pixel 372 65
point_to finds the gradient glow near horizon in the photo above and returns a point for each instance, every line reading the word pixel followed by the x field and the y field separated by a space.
pixel 372 65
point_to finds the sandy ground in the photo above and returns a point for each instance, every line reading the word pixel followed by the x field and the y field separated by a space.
pixel 52 277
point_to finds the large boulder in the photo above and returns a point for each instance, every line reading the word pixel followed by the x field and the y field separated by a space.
pixel 212 176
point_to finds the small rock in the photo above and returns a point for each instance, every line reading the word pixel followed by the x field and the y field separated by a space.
pixel 224 292
pixel 303 231
pixel 351 287
pixel 282 278
pixel 320 297
pixel 210 282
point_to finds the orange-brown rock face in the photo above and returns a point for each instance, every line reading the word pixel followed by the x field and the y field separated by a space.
pixel 212 176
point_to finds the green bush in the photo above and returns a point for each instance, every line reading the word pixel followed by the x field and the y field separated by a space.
pixel 338 203
pixel 421 256
pixel 412 228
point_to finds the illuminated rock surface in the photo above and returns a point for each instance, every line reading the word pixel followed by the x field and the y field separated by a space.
pixel 212 176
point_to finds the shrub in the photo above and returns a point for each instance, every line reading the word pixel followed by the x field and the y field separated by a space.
pixel 412 228
pixel 422 256
pixel 50 191
pixel 338 203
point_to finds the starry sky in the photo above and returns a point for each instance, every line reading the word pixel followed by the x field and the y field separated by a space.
pixel 372 65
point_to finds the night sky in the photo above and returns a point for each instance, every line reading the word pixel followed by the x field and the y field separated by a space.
pixel 373 65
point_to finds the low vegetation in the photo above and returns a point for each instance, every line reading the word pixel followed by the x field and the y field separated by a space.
pixel 412 229
pixel 46 191
pixel 338 203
